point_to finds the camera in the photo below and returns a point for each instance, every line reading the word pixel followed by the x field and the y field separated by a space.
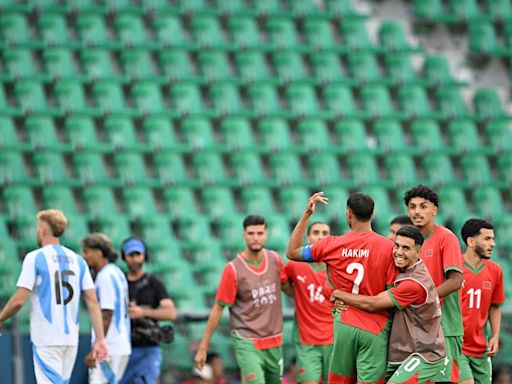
pixel 144 330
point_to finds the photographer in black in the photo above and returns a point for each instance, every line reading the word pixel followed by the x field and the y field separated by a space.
pixel 149 302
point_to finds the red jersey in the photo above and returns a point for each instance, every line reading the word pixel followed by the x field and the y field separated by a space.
pixel 406 293
pixel 441 253
pixel 359 263
pixel 313 309
pixel 481 288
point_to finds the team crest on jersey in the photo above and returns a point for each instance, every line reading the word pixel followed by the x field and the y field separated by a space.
pixel 429 252
pixel 302 370
pixel 487 285
pixel 252 376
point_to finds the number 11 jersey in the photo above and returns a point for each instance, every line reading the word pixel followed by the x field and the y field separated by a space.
pixel 361 263
pixel 56 276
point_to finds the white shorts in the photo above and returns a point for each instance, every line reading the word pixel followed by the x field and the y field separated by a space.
pixel 110 371
pixel 53 364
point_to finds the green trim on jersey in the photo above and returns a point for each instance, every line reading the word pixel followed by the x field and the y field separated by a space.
pixel 452 268
pixel 223 304
pixel 394 300
pixel 254 263
pixel 430 233
pixel 329 277
pixel 318 268
pixel 475 271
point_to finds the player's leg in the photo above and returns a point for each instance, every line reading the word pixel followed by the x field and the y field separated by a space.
pixel 309 363
pixel 466 376
pixel 453 355
pixel 249 361
pixel 342 369
pixel 272 364
pixel 416 370
pixel 118 365
pixel 326 361
pixel 68 360
pixel 372 356
pixel 481 368
pixel 48 364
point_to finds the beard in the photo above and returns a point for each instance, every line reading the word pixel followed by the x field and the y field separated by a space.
pixel 480 251
pixel 256 248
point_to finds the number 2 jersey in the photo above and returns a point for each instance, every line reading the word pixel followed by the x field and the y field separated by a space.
pixel 313 311
pixel 56 276
pixel 481 289
pixel 358 263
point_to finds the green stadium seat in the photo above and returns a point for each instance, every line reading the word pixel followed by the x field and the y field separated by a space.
pixel 436 70
pixel 53 30
pixel 464 135
pixel 438 169
pixel 117 227
pixel 505 167
pixel 257 201
pixel 109 97
pixel 7 108
pixel 244 32
pixel 341 8
pixel 59 197
pixel 192 6
pixel 159 133
pixel 15 30
pixel 252 66
pixel 77 229
pixel 147 98
pixel 130 169
pixel 130 30
pixel 267 7
pixel 488 202
pixel 236 8
pixel 382 202
pixel 12 168
pixel 226 99
pixel 282 33
pixel 503 227
pixel 450 103
pixel 176 65
pixel 337 196
pixel 81 133
pixel 293 201
pixel 351 135
pixel 426 135
pixel 328 68
pixel 139 201
pixel 91 168
pixel 179 202
pixel 324 169
pixel 393 37
pixel 289 66
pixel 274 134
pixel 218 202
pixel 389 135
pixel 32 99
pixel 483 39
pixel 263 99
pixel 355 35
pixel 363 168
pixel 9 138
pixel 97 64
pixel 303 8
pixel 120 133
pixel 138 65
pixel 499 9
pixel 338 98
pixel 230 231
pixel 186 98
pixel 401 169
pixel 214 65
pixel 99 201
pixel 465 10
pixel 156 230
pixel 364 68
pixel 92 31
pixel 318 33
pixel 19 201
pixel 487 104
pixel 42 133
pixel 198 133
pixel 313 135
pixel 207 31
pixel 414 102
pixel 19 63
pixel 302 100
pixel 453 201
pixel 60 64
pixel 247 168
pixel 286 169
pixel 431 10
pixel 50 168
pixel 209 168
pixel 377 102
pixel 499 135
pixel 168 30
pixel 169 168
pixel 236 132
pixel 476 169
pixel 278 233
pixel 193 229
pixel 399 69
pixel 71 98
pixel 23 226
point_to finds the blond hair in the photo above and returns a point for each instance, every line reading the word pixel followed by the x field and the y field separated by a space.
pixel 55 220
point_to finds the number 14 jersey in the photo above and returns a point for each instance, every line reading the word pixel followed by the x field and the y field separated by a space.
pixel 56 276
pixel 359 263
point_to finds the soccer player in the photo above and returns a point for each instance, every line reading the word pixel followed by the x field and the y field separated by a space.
pixel 359 261
pixel 54 277
pixel 442 255
pixel 397 223
pixel 313 333
pixel 251 287
pixel 416 351
pixel 482 296
pixel 112 291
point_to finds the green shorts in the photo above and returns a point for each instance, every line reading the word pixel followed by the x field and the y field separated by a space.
pixel 358 355
pixel 453 354
pixel 258 366
pixel 416 370
pixel 477 369
pixel 313 362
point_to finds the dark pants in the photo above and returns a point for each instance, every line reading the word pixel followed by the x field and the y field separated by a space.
pixel 143 366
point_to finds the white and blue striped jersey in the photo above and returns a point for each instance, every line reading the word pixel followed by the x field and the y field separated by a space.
pixel 112 292
pixel 56 276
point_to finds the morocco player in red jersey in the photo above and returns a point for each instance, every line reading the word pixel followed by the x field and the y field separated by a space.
pixel 482 296
pixel 442 255
pixel 313 313
pixel 360 261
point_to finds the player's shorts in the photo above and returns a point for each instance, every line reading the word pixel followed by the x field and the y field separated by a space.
pixel 358 355
pixel 54 364
pixel 258 366
pixel 110 371
pixel 453 346
pixel 416 370
pixel 312 362
pixel 477 369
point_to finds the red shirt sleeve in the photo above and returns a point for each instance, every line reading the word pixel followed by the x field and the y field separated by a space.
pixel 226 294
pixel 283 274
pixel 498 295
pixel 318 249
pixel 452 255
pixel 408 292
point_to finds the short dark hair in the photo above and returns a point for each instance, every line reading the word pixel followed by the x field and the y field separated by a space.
pixel 402 220
pixel 422 191
pixel 411 232
pixel 361 205
pixel 315 223
pixel 103 243
pixel 212 356
pixel 472 227
pixel 254 220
